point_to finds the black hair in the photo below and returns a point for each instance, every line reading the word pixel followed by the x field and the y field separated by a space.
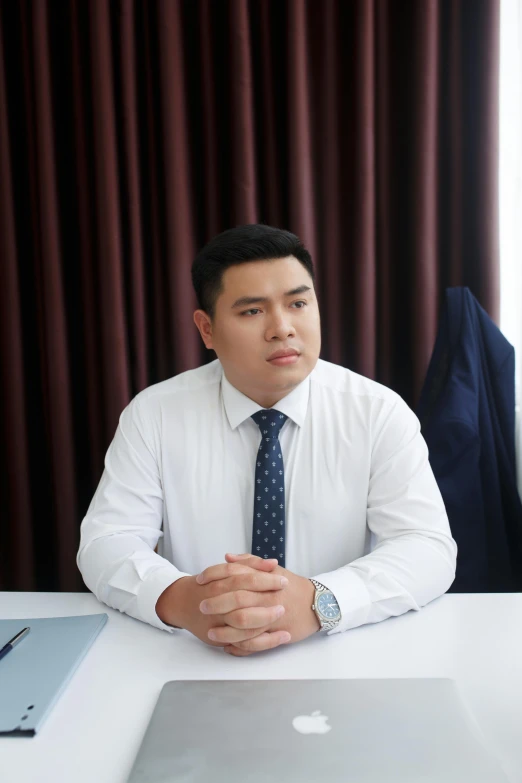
pixel 251 242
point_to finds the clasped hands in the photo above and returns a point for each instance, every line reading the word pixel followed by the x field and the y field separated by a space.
pixel 256 611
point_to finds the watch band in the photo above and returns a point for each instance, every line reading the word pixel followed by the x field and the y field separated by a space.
pixel 326 625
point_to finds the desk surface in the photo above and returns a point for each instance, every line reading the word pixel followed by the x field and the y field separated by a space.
pixel 95 728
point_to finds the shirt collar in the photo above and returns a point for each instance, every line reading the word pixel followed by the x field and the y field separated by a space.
pixel 239 407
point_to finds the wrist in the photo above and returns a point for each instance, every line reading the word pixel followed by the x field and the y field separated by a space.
pixel 315 625
pixel 325 606
pixel 171 603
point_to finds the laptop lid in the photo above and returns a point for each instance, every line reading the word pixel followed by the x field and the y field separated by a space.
pixel 308 731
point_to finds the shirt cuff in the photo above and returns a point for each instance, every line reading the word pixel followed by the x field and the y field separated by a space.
pixel 151 589
pixel 351 595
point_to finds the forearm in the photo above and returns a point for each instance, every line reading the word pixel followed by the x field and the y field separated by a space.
pixel 413 555
pixel 401 574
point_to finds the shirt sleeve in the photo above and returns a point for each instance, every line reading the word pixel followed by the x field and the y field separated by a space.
pixel 123 524
pixel 414 557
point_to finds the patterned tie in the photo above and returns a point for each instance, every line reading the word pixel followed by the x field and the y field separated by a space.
pixel 268 537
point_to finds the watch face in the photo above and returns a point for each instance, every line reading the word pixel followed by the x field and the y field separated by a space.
pixel 328 606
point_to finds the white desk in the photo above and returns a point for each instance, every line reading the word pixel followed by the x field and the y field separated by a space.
pixel 94 730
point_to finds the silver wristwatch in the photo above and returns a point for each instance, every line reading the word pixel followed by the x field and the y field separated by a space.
pixel 325 607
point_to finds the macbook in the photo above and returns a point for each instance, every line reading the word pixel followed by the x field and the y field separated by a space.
pixel 310 731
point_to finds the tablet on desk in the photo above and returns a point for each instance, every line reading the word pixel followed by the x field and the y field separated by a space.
pixel 309 731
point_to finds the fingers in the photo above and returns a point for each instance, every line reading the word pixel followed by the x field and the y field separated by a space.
pixel 229 602
pixel 245 623
pixel 231 649
pixel 253 561
pixel 226 635
pixel 242 577
pixel 265 641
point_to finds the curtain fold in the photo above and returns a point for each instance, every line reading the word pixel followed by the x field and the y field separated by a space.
pixel 17 538
pixel 131 132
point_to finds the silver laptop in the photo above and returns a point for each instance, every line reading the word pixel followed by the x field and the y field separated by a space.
pixel 310 731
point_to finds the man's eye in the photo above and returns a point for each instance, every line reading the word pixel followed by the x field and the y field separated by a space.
pixel 257 308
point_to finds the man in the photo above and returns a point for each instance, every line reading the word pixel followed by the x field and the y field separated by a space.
pixel 316 476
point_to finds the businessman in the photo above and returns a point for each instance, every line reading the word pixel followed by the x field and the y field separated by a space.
pixel 267 495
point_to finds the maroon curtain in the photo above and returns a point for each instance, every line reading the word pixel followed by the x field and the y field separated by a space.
pixel 132 132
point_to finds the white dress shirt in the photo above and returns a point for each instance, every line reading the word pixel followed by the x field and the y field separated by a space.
pixel 364 515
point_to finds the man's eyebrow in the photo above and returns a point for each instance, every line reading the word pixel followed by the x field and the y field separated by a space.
pixel 248 300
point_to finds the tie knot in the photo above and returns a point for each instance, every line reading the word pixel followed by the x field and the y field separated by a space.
pixel 269 421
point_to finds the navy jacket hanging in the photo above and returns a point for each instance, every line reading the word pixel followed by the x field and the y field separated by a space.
pixel 467 415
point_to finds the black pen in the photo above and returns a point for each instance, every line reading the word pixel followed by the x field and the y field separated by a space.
pixel 18 638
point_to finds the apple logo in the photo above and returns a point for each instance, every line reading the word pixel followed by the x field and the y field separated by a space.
pixel 311 724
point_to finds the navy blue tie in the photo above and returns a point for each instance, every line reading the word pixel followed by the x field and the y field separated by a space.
pixel 268 536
